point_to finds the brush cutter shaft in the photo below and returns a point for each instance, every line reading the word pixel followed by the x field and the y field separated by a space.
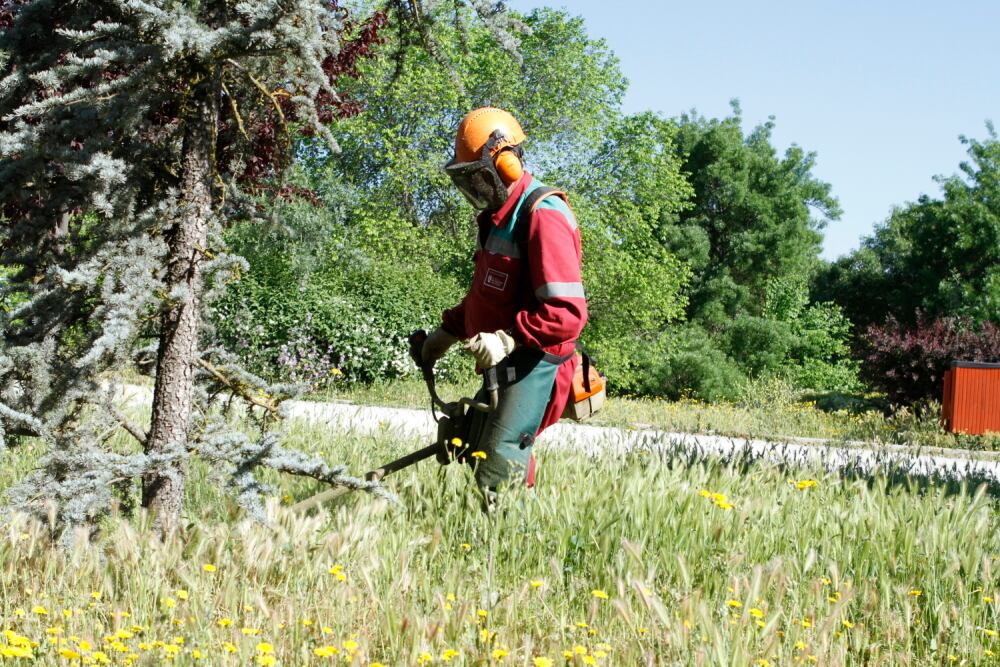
pixel 370 476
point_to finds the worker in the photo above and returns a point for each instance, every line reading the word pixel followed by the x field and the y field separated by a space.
pixel 525 307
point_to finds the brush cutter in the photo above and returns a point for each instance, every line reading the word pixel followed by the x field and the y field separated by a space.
pixel 453 427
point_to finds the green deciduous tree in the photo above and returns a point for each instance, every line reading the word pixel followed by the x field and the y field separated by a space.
pixel 755 216
pixel 940 255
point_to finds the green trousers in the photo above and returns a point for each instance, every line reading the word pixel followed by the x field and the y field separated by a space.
pixel 507 434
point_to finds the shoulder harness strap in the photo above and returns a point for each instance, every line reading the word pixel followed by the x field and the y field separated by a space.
pixel 528 207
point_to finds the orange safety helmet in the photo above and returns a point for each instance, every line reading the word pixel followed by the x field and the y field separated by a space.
pixel 478 128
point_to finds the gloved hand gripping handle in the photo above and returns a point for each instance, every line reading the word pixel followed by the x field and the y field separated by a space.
pixel 417 340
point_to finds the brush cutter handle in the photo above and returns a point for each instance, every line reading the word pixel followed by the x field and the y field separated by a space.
pixel 417 340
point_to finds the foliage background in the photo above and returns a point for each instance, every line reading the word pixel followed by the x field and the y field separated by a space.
pixel 700 240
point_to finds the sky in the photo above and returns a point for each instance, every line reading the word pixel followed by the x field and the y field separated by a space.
pixel 880 90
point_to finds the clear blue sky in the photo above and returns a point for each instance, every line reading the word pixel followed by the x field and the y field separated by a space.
pixel 879 89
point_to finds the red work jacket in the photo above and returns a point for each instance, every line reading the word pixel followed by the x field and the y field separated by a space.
pixel 540 297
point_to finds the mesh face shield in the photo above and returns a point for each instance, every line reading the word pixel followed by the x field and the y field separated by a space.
pixel 479 180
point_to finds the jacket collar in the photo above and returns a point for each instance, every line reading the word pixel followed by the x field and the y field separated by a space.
pixel 504 211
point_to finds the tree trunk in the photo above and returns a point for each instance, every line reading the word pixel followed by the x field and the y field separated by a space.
pixel 163 490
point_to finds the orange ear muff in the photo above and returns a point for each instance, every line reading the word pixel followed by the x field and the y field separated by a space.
pixel 509 166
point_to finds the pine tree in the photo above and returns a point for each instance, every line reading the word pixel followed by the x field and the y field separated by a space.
pixel 131 131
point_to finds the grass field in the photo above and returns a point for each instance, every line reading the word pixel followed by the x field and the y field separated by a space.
pixel 641 560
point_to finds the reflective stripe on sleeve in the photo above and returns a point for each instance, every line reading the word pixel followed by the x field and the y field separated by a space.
pixel 564 290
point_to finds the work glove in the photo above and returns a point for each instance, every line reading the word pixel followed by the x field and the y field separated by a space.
pixel 489 349
pixel 436 345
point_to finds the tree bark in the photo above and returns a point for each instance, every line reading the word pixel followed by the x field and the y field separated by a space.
pixel 163 490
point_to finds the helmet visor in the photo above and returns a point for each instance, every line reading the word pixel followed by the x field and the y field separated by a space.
pixel 479 182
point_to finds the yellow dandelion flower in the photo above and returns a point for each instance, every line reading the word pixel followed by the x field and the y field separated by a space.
pixel 84 645
pixel 541 661
pixel 266 660
pixel 326 651
pixel 756 613
pixel 208 567
pixel 763 662
pixel 326 630
pixel 916 592
pixel 847 624
pixel 465 546
pixel 537 583
pixel 16 652
pixel 39 610
pixel 182 594
pixel 500 653
pixel 169 603
pixel 589 660
pixel 599 594
pixel 735 604
pixel 225 622
pixel 989 633
pixel 196 654
pixel 580 650
pixel 456 442
pixel 987 599
pixel 448 654
pixel 265 647
pixel 479 455
pixel 424 658
pixel 96 595
pixel 350 646
pixel 800 645
pixel 69 654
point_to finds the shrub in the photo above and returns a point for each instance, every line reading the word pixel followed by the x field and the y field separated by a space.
pixel 690 365
pixel 347 318
pixel 908 363
pixel 759 345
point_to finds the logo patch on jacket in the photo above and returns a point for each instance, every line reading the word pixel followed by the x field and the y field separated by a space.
pixel 496 279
